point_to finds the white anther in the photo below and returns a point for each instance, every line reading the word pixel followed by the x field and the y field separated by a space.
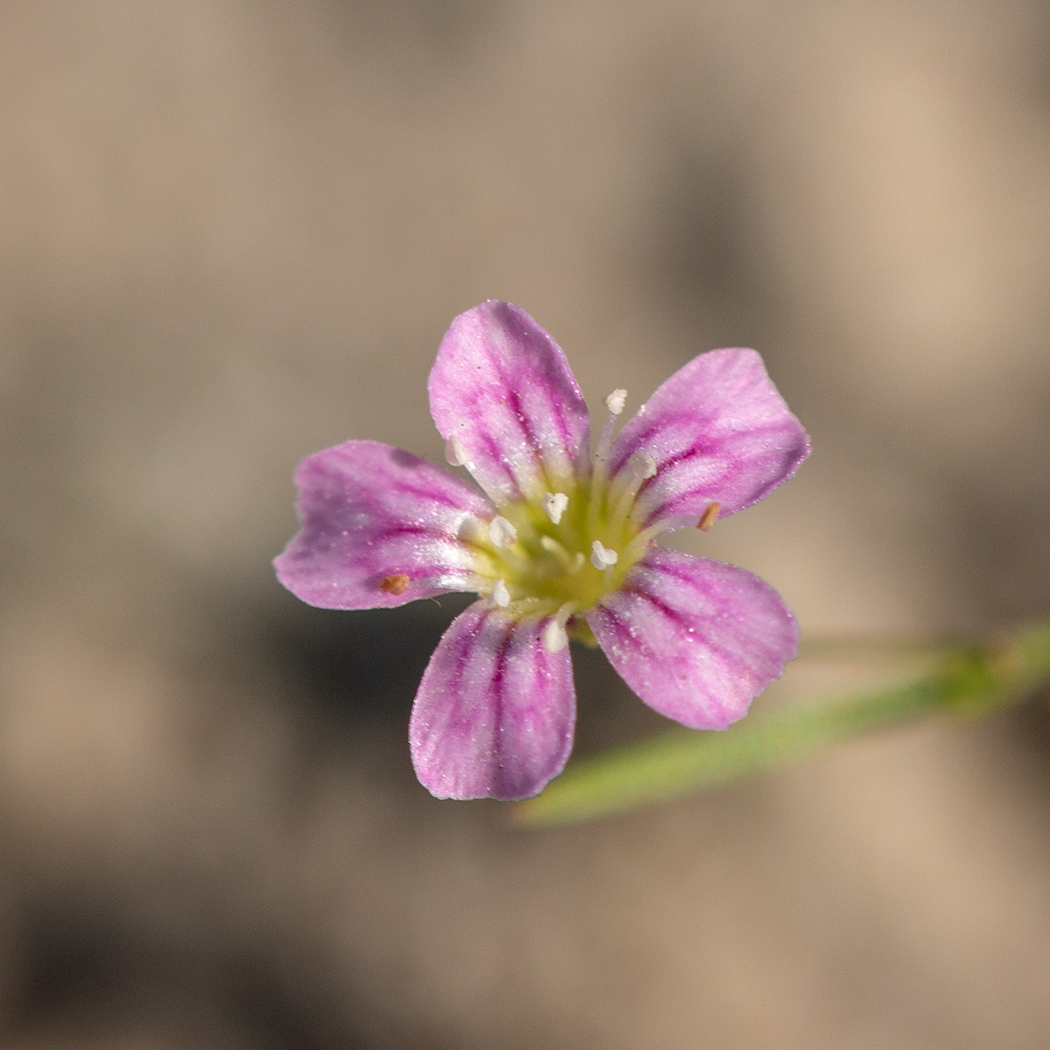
pixel 554 637
pixel 615 401
pixel 601 556
pixel 472 530
pixel 554 503
pixel 455 453
pixel 501 532
pixel 643 465
pixel 500 595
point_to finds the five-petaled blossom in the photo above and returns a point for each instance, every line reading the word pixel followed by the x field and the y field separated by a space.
pixel 558 545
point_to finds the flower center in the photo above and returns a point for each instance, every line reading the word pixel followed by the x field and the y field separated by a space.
pixel 576 558
pixel 560 553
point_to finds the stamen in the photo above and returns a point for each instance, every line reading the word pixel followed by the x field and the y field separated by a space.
pixel 396 583
pixel 554 636
pixel 554 503
pixel 455 453
pixel 501 532
pixel 616 400
pixel 709 517
pixel 642 465
pixel 602 557
pixel 457 456
pixel 639 468
pixel 471 530
pixel 500 595
pixel 636 548
pixel 614 403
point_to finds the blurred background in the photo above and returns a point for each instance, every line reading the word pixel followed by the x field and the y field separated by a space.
pixel 232 233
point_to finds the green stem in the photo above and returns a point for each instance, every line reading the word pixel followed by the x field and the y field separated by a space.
pixel 969 680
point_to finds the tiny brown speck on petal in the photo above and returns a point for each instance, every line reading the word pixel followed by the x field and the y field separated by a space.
pixel 708 518
pixel 394 584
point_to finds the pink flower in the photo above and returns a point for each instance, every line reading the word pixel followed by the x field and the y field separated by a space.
pixel 558 544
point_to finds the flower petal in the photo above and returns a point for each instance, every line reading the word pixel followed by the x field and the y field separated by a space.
pixel 719 432
pixel 501 387
pixel 695 639
pixel 495 712
pixel 381 527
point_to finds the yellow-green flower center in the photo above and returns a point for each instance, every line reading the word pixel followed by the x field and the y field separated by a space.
pixel 560 552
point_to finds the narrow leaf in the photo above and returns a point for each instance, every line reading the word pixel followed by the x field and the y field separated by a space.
pixel 969 680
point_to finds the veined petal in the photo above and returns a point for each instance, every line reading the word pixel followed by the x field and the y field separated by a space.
pixel 719 432
pixel 502 387
pixel 495 712
pixel 695 639
pixel 381 527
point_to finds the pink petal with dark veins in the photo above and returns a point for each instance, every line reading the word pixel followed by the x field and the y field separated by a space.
pixel 381 527
pixel 719 432
pixel 495 712
pixel 503 389
pixel 695 639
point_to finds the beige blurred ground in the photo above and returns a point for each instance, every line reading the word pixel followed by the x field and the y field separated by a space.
pixel 232 233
